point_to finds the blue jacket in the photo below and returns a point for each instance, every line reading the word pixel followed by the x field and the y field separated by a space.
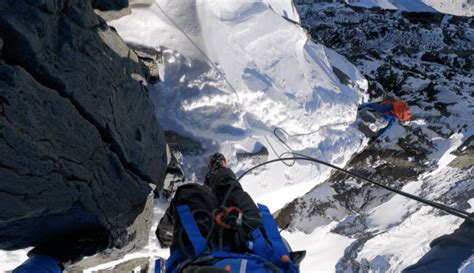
pixel 39 264
pixel 386 112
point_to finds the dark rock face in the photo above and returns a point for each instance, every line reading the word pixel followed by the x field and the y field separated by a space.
pixel 78 134
pixel 107 5
pixel 130 266
pixel 258 156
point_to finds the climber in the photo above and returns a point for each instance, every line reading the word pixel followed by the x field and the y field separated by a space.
pixel 218 228
pixel 215 227
pixel 389 111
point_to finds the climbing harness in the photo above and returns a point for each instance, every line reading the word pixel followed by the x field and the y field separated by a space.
pixel 222 218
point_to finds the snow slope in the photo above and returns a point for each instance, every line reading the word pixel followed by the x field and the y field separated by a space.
pixel 455 7
pixel 276 78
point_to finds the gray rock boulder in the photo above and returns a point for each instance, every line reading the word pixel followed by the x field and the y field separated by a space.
pixel 79 139
pixel 257 156
pixel 465 155
pixel 150 58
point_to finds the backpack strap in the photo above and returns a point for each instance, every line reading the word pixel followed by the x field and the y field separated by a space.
pixel 260 247
pixel 192 230
pixel 173 261
pixel 272 233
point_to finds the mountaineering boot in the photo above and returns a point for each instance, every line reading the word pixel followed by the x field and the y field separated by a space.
pixel 223 183
pixel 216 162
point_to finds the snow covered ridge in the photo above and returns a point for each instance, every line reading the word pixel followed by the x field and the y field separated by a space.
pixel 455 7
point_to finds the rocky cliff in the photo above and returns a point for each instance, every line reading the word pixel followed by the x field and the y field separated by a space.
pixel 79 141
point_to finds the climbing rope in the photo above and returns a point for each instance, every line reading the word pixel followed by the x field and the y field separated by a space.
pixel 447 209
pixel 297 156
pixel 198 48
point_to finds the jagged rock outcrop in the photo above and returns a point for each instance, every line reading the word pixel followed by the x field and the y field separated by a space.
pixel 259 155
pixel 138 265
pixel 464 155
pixel 79 140
pixel 178 146
pixel 150 58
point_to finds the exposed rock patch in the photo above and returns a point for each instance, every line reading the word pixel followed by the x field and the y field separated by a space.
pixel 149 58
pixel 465 155
pixel 178 145
pixel 257 157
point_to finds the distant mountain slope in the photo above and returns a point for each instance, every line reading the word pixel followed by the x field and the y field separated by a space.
pixel 455 7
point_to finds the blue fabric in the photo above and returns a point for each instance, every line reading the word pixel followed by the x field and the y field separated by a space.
pixel 440 259
pixel 158 266
pixel 261 248
pixel 192 230
pixel 39 264
pixel 385 110
pixel 271 231
pixel 239 265
pixel 258 261
pixel 175 258
pixel 390 119
pixel 263 252
pixel 377 107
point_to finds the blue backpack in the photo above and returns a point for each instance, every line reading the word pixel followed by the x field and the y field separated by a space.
pixel 269 255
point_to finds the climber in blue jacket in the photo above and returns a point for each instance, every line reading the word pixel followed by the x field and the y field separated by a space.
pixel 217 227
pixel 390 111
